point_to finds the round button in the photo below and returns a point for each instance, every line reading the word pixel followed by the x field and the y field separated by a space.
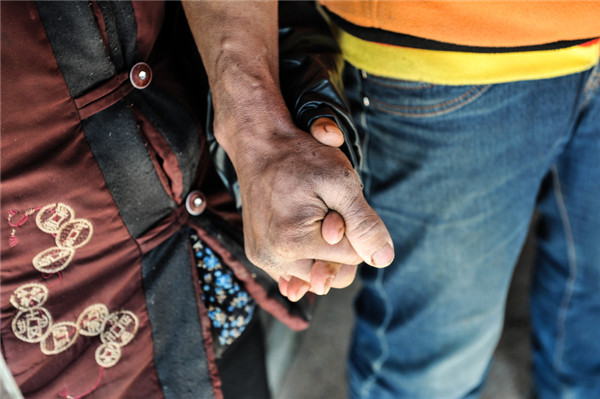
pixel 140 75
pixel 195 203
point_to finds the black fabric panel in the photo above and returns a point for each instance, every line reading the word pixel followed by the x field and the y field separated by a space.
pixel 400 39
pixel 242 368
pixel 179 353
pixel 176 125
pixel 127 168
pixel 77 44
pixel 121 30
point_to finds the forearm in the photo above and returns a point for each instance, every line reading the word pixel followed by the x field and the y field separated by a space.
pixel 289 182
pixel 239 48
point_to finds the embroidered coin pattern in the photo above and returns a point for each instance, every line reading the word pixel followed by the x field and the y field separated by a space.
pixel 74 234
pixel 62 335
pixel 52 217
pixel 53 260
pixel 108 354
pixel 91 319
pixel 29 296
pixel 119 327
pixel 32 325
pixel 59 220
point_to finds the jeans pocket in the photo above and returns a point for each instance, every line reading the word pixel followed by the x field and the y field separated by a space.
pixel 418 99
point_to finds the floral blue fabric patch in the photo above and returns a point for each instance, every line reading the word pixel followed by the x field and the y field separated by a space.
pixel 230 307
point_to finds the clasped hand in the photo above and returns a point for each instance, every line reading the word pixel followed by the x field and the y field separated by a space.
pixel 306 222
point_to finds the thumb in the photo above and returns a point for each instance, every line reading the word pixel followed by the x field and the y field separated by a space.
pixel 367 233
pixel 327 132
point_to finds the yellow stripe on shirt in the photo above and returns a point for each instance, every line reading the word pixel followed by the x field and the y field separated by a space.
pixel 463 68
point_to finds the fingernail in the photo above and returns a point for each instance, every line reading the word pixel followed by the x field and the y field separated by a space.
pixel 330 128
pixel 384 256
pixel 328 282
pixel 339 235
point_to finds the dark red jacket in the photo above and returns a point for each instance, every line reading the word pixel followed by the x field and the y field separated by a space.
pixel 99 292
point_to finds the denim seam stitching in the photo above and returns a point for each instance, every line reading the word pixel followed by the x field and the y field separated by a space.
pixel 572 263
pixel 384 345
pixel 592 84
pixel 472 97
pixel 378 363
pixel 366 175
pixel 593 81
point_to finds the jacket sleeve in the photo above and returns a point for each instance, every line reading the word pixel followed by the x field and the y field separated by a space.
pixel 310 72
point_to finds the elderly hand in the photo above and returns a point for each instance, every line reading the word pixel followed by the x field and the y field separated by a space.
pixel 305 219
pixel 304 214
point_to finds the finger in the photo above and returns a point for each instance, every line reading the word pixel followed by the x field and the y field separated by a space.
pixel 364 229
pixel 322 276
pixel 327 275
pixel 345 277
pixel 283 284
pixel 304 269
pixel 343 252
pixel 367 233
pixel 282 281
pixel 327 132
pixel 366 238
pixel 291 287
pixel 300 269
pixel 296 288
pixel 332 228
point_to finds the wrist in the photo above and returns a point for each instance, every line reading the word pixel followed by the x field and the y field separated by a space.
pixel 250 121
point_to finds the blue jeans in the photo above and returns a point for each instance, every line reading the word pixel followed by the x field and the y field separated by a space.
pixel 456 173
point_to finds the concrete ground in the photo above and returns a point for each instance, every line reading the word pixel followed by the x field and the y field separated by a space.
pixel 317 370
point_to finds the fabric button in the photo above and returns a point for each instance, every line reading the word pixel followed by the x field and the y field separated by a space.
pixel 140 75
pixel 195 203
pixel 366 101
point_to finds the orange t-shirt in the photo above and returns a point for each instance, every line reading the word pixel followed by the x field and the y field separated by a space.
pixel 477 23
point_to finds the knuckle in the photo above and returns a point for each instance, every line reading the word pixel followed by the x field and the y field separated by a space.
pixel 368 230
pixel 287 245
pixel 259 254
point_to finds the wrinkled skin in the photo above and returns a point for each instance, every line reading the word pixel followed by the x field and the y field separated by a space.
pixel 305 219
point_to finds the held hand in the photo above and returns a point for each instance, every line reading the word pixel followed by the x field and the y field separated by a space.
pixel 323 277
pixel 299 208
pixel 316 276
